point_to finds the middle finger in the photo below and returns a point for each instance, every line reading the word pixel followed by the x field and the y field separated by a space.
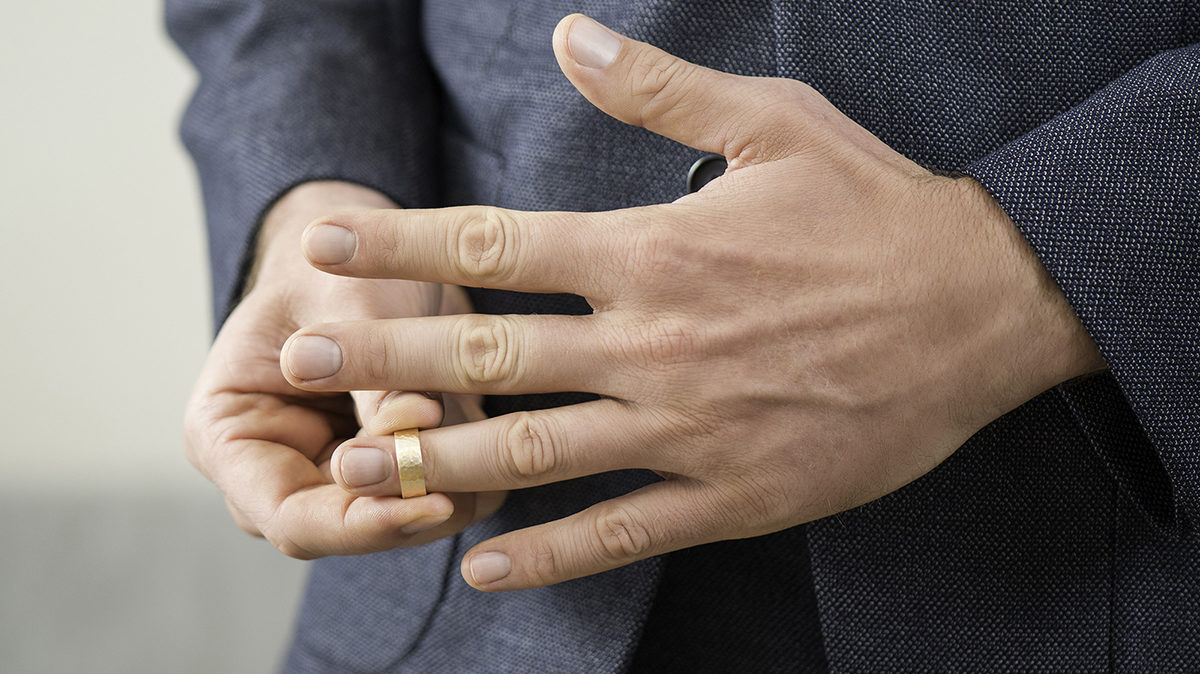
pixel 471 353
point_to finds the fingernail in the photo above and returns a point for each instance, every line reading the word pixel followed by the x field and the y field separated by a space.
pixel 365 466
pixel 591 44
pixel 314 357
pixel 424 524
pixel 489 567
pixel 329 244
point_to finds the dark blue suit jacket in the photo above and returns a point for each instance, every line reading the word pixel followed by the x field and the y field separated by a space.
pixel 1062 537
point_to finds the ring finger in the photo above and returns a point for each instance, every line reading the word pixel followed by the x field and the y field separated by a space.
pixel 518 450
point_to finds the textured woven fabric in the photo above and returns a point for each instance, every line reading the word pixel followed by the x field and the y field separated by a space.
pixel 1060 538
pixel 297 91
pixel 1107 195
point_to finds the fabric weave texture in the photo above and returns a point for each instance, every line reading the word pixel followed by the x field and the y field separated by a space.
pixel 1060 538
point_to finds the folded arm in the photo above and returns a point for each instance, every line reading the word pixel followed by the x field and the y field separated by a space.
pixel 1108 195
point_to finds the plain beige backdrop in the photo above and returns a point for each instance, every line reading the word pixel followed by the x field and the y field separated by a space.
pixel 117 557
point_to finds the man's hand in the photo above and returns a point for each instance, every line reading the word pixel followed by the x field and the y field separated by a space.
pixel 267 445
pixel 820 326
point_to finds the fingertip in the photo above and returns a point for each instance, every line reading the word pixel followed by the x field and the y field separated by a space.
pixel 486 570
pixel 285 352
pixel 324 242
pixel 562 30
pixel 399 410
pixel 437 509
pixel 585 43
pixel 307 357
pixel 564 25
pixel 393 521
pixel 559 43
pixel 361 464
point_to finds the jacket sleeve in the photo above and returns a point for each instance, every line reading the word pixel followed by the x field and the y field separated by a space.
pixel 297 90
pixel 1108 195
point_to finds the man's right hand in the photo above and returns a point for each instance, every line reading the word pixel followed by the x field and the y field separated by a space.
pixel 267 445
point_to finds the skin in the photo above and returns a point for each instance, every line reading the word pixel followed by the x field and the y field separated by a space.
pixel 820 326
pixel 267 444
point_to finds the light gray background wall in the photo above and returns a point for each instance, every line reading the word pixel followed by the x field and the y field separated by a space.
pixel 114 555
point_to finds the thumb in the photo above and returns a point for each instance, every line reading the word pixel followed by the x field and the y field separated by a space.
pixel 745 119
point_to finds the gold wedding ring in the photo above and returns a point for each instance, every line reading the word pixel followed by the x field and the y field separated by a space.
pixel 408 462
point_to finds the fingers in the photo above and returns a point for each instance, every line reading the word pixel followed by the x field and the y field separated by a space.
pixel 455 300
pixel 281 495
pixel 513 451
pixel 472 246
pixel 653 520
pixel 384 412
pixel 706 109
pixel 455 354
pixel 462 408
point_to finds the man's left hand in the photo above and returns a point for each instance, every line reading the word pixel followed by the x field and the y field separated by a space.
pixel 823 324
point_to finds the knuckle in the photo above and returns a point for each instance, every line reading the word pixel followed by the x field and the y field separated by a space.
pixel 389 246
pixel 276 530
pixel 669 342
pixel 659 82
pixel 375 353
pixel 794 90
pixel 204 429
pixel 288 546
pixel 656 344
pixel 244 523
pixel 246 526
pixel 656 251
pixel 756 503
pixel 546 567
pixel 487 245
pixel 620 534
pixel 534 447
pixel 487 352
pixel 795 106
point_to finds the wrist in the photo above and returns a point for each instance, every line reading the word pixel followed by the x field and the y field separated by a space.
pixel 1043 341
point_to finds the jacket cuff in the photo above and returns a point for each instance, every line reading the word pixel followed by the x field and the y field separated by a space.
pixel 1108 196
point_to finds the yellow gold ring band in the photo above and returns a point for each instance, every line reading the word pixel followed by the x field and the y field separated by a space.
pixel 408 463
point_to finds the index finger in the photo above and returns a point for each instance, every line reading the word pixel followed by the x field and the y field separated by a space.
pixel 478 246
